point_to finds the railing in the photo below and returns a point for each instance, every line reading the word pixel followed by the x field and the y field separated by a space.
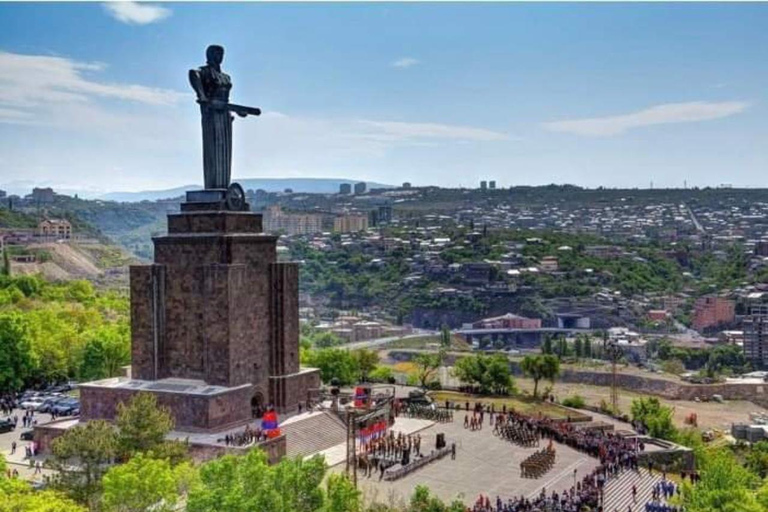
pixel 394 474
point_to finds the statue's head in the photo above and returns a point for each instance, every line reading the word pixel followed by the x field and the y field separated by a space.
pixel 214 54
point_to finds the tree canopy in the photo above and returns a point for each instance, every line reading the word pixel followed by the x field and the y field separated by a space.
pixel 540 366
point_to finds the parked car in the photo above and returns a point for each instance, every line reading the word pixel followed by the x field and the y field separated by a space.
pixel 49 402
pixel 27 435
pixel 33 403
pixel 70 406
pixel 6 426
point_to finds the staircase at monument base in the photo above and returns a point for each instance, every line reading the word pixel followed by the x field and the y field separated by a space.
pixel 318 432
pixel 618 491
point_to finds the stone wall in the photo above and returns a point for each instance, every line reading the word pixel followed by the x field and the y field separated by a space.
pixel 43 435
pixel 275 449
pixel 756 393
pixel 192 412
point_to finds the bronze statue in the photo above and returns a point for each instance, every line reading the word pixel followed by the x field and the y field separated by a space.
pixel 212 87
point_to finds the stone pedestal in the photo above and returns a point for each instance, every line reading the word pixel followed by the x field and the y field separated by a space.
pixel 214 324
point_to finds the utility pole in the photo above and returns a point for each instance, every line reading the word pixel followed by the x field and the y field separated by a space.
pixel 615 353
pixel 351 467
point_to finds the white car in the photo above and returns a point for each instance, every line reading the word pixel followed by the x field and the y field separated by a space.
pixel 32 403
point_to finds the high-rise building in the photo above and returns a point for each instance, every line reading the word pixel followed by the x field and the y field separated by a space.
pixel 483 185
pixel 380 215
pixel 350 223
pixel 406 184
pixel 756 330
pixel 42 195
pixel 360 188
pixel 492 184
pixel 345 189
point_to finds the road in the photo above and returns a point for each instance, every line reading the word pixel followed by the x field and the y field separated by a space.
pixel 18 460
pixel 695 221
pixel 383 341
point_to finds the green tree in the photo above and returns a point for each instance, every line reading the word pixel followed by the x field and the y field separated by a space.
pixel 142 424
pixel 144 483
pixel 366 361
pixel 89 447
pixel 725 485
pixel 16 355
pixel 326 340
pixel 382 374
pixel 341 495
pixel 427 365
pixel 445 337
pixel 491 374
pixel 334 363
pixel 577 347
pixel 757 459
pixel 546 347
pixel 538 367
pixel 106 351
pixel 423 501
pixel 656 418
pixel 248 483
pixel 18 496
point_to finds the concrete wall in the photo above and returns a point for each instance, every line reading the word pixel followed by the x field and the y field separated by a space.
pixel 755 393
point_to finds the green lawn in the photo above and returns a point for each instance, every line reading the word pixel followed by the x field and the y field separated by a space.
pixel 520 404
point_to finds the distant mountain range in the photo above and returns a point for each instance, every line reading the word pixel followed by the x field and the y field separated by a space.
pixel 308 185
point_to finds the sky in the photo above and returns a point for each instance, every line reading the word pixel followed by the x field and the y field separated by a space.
pixel 95 96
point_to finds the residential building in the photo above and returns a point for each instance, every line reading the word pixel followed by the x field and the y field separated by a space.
pixel 350 223
pixel 755 326
pixel 658 315
pixel 360 188
pixel 278 221
pixel 712 311
pixel 549 264
pixel 60 229
pixel 345 189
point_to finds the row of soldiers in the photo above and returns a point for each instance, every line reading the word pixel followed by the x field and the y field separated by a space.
pixel 392 445
pixel 516 431
pixel 538 463
pixel 386 451
pixel 429 412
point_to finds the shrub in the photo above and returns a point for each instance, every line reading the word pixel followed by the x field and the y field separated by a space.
pixel 575 401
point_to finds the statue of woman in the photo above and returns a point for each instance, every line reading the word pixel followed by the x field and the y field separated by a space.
pixel 212 86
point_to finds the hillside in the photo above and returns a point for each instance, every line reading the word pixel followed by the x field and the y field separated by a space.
pixel 100 263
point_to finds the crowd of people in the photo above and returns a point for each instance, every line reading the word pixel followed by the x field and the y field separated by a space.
pixel 614 452
pixel 387 450
pixel 246 437
pixel 427 412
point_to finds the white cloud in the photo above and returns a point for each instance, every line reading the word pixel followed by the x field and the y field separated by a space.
pixel 135 13
pixel 404 62
pixel 37 86
pixel 396 131
pixel 659 114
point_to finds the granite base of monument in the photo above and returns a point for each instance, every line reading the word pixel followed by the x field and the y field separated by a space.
pixel 214 327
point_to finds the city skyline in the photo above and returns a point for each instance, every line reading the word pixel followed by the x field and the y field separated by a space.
pixel 523 94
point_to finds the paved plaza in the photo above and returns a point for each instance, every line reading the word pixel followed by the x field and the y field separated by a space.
pixel 485 464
